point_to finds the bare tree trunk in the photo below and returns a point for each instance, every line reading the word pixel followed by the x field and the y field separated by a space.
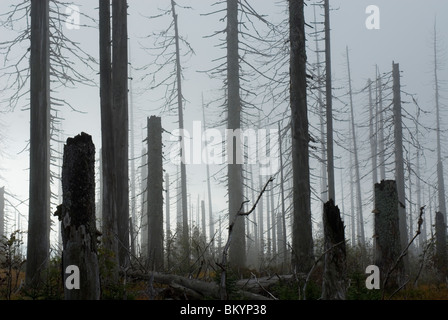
pixel 132 180
pixel 322 112
pixel 373 132
pixel 39 201
pixel 155 193
pixel 121 125
pixel 381 151
pixel 329 98
pixel 440 178
pixel 302 242
pixel 183 170
pixel 399 161
pixel 334 286
pixel 109 205
pixel 237 250
pixel 77 215
pixel 387 233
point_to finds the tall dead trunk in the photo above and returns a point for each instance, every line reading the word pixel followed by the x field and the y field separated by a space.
pixel 302 242
pixel 381 149
pixel 237 250
pixel 155 193
pixel 77 216
pixel 387 233
pixel 39 185
pixel 121 125
pixel 329 109
pixel 183 170
pixel 109 205
pixel 334 286
pixel 399 160
pixel 440 178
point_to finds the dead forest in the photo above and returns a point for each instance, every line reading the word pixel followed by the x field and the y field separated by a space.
pixel 249 162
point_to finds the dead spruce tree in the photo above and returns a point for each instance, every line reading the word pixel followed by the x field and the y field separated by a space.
pixel 39 203
pixel 77 216
pixel 114 129
pixel 302 240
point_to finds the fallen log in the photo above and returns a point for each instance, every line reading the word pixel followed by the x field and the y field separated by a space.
pixel 194 288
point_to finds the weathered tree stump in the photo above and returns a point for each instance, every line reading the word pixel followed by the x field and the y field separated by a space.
pixel 387 234
pixel 334 285
pixel 77 216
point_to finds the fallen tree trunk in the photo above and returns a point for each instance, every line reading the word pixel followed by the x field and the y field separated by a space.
pixel 193 288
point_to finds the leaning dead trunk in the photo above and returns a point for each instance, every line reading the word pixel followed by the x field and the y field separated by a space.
pixel 387 233
pixel 77 216
pixel 335 271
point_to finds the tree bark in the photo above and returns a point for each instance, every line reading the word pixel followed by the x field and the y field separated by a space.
pixel 334 286
pixel 39 201
pixel 155 193
pixel 302 242
pixel 77 216
pixel 387 233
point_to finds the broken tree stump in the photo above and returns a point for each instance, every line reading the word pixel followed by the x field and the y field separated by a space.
pixel 77 216
pixel 334 284
pixel 387 235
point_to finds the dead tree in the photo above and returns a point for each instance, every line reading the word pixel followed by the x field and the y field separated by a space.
pixel 77 216
pixel 387 233
pixel 302 238
pixel 441 254
pixel 39 202
pixel 399 159
pixel 334 285
pixel 155 193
